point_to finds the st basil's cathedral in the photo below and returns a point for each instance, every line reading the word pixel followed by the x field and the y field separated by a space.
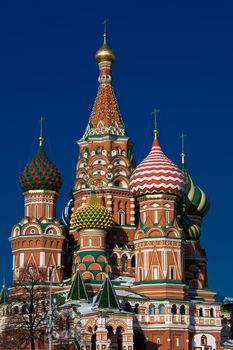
pixel 126 259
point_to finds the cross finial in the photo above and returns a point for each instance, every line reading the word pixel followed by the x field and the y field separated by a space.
pixel 41 139
pixel 105 29
pixel 154 113
pixel 182 137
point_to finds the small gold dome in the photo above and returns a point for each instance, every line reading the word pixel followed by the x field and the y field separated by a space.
pixel 104 53
pixel 92 215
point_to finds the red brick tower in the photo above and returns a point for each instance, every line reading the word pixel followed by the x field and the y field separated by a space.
pixel 158 184
pixel 92 221
pixel 106 161
pixel 37 241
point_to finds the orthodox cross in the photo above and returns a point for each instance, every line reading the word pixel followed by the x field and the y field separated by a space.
pixel 182 137
pixel 105 29
pixel 154 113
pixel 41 139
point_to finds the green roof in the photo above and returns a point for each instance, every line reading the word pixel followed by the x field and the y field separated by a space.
pixel 3 295
pixel 78 290
pixel 106 297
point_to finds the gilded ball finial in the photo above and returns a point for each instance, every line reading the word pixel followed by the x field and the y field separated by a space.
pixel 105 53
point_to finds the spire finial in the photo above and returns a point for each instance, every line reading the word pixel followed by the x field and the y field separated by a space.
pixel 105 30
pixel 154 113
pixel 182 137
pixel 41 139
pixel 4 282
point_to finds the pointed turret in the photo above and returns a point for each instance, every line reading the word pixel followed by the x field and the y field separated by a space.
pixel 105 117
pixel 78 290
pixel 107 298
pixel 3 294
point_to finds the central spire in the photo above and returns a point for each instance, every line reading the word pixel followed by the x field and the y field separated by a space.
pixel 105 54
pixel 105 117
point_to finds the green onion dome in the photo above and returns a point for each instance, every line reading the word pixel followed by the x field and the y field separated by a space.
pixel 92 215
pixel 40 174
pixel 192 231
pixel 195 200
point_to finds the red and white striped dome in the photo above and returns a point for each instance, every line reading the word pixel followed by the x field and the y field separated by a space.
pixel 157 174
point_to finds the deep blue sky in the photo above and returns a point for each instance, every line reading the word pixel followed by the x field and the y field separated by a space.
pixel 175 54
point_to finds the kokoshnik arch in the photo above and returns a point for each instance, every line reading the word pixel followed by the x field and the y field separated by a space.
pixel 132 273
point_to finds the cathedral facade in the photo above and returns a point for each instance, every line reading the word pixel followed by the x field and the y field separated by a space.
pixel 125 259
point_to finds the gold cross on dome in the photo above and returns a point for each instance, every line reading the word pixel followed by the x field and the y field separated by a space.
pixel 105 29
pixel 182 137
pixel 41 139
pixel 154 113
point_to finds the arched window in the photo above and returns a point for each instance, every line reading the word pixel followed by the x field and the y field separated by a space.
pixel 68 323
pixel 121 217
pixel 151 309
pixel 24 309
pixel 203 340
pixel 174 309
pixel 200 312
pixel 136 309
pixel 133 261
pixel 127 307
pixel 61 325
pixel 114 259
pixel 172 273
pixel 182 310
pixel 124 263
pixel 161 309
pixel 211 312
pixel 16 310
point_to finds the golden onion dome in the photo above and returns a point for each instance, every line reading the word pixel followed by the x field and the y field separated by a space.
pixel 104 53
pixel 92 216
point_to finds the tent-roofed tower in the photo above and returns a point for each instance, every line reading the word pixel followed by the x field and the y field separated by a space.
pixel 77 290
pixel 107 298
pixel 105 158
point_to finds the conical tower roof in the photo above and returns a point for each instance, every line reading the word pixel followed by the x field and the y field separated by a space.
pixel 105 118
pixel 3 295
pixel 78 290
pixel 106 297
